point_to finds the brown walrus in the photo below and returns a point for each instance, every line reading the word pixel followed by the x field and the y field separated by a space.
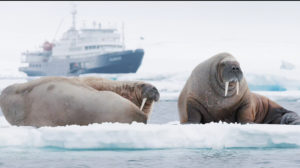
pixel 58 101
pixel 217 91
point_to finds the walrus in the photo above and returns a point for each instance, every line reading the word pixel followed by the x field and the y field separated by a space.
pixel 60 101
pixel 217 91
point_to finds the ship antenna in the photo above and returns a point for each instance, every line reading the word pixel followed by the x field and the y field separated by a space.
pixel 74 12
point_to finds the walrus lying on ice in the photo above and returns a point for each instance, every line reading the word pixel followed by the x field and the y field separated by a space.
pixel 217 91
pixel 58 101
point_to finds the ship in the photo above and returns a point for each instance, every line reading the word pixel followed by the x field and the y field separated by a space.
pixel 87 50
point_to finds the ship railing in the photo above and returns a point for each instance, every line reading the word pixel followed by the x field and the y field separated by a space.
pixel 78 55
pixel 90 54
pixel 26 56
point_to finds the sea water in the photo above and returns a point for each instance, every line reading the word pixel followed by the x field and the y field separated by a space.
pixel 163 142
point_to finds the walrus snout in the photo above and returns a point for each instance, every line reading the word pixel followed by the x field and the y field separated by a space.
pixel 235 68
pixel 231 72
pixel 231 75
pixel 150 92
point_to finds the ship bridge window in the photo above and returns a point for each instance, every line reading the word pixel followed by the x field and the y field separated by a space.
pixel 35 65
pixel 92 47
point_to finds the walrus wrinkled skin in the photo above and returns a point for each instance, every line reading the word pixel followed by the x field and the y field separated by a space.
pixel 204 97
pixel 59 101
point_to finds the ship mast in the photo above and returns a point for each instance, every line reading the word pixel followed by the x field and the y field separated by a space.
pixel 74 12
pixel 73 28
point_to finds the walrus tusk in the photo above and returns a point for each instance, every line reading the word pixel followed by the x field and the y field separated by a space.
pixel 143 103
pixel 237 87
pixel 226 88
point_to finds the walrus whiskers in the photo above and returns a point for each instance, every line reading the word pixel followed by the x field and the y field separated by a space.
pixel 226 88
pixel 237 87
pixel 143 103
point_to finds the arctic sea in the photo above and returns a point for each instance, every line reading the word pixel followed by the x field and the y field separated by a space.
pixel 163 142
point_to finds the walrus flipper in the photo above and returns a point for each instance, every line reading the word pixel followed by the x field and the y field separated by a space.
pixel 291 118
pixel 276 114
pixel 193 112
pixel 282 116
pixel 194 115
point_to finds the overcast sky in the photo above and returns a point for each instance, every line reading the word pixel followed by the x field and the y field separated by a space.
pixel 183 33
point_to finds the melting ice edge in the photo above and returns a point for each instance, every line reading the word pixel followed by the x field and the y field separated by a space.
pixel 151 136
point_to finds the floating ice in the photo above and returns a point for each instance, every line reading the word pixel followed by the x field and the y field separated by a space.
pixel 152 136
pixel 170 84
pixel 287 65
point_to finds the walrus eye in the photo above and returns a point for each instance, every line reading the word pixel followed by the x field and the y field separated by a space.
pixel 142 85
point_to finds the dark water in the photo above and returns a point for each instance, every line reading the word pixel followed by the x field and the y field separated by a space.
pixel 163 112
pixel 166 111
pixel 31 158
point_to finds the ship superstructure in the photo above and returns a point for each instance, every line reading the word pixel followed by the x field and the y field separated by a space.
pixel 92 50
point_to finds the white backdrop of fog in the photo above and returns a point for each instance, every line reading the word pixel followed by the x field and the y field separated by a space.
pixel 177 35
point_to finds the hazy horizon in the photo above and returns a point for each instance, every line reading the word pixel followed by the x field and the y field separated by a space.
pixel 180 33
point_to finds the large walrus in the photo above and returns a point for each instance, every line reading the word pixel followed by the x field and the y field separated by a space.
pixel 217 91
pixel 58 101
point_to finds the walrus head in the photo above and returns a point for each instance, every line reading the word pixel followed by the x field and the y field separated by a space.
pixel 149 93
pixel 229 74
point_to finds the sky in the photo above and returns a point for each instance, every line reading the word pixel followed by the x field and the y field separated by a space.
pixel 177 35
